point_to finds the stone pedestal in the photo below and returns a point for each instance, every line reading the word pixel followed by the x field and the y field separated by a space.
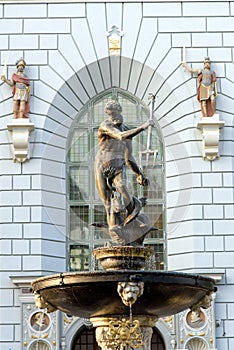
pixel 210 129
pixel 20 130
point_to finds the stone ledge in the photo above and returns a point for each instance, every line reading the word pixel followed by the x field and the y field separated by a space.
pixel 210 129
pixel 20 130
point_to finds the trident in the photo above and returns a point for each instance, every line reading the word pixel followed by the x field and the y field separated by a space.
pixel 149 152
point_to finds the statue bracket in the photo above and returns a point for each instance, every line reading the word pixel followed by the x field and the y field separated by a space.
pixel 210 129
pixel 19 130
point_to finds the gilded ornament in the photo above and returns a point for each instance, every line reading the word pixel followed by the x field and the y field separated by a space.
pixel 123 333
pixel 114 40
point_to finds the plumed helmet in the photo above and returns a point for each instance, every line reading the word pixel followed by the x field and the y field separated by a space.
pixel 207 59
pixel 20 62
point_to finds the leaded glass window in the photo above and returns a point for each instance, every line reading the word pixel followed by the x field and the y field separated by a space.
pixel 85 207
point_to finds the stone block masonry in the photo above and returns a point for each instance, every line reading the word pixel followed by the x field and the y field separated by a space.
pixel 68 61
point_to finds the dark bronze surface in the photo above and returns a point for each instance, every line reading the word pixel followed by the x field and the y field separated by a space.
pixel 125 222
pixel 91 294
pixel 95 294
pixel 123 257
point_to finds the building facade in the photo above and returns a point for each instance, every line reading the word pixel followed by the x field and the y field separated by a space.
pixel 79 55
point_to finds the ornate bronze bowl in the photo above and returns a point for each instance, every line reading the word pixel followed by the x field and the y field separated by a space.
pixel 94 294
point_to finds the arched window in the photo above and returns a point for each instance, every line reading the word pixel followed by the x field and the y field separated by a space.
pixel 85 340
pixel 85 206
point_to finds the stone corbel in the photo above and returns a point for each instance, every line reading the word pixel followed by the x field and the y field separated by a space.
pixel 210 129
pixel 20 130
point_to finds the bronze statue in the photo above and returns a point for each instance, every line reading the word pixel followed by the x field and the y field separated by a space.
pixel 114 153
pixel 130 291
pixel 20 90
pixel 207 92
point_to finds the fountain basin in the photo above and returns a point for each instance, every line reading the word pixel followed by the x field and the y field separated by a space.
pixel 94 294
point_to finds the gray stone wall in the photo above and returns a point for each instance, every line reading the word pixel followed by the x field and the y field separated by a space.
pixel 66 50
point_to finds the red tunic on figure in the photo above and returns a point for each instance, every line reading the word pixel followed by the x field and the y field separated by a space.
pixel 22 80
